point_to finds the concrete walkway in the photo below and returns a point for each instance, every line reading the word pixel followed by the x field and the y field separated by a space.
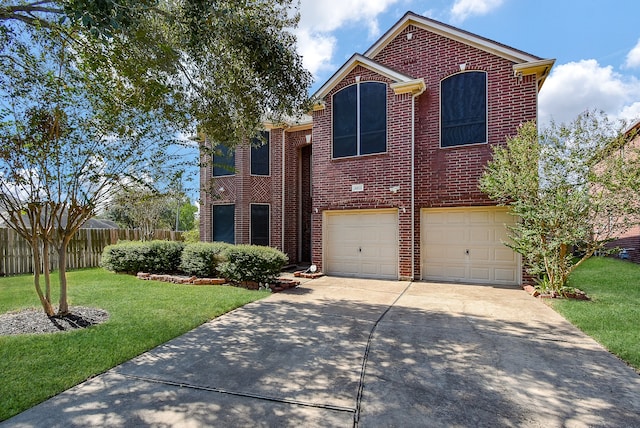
pixel 379 353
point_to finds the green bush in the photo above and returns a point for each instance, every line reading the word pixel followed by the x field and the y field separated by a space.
pixel 252 263
pixel 191 236
pixel 203 258
pixel 126 256
pixel 135 256
pixel 164 256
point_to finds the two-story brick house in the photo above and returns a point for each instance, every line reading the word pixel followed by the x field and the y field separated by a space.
pixel 381 180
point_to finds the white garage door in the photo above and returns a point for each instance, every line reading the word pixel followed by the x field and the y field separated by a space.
pixel 361 243
pixel 465 245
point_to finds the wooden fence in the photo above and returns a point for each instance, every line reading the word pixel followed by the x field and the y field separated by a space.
pixel 85 249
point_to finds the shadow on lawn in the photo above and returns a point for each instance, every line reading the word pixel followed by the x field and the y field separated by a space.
pixel 298 362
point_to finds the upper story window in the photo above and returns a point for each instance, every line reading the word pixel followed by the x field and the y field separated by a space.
pixel 360 120
pixel 260 154
pixel 224 161
pixel 463 109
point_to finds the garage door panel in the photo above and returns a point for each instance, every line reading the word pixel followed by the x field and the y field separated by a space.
pixel 446 234
pixel 506 255
pixel 481 274
pixel 362 243
pixel 481 235
pixel 481 255
pixel 505 275
pixel 480 217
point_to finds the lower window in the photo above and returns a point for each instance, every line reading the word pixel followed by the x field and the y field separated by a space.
pixel 224 219
pixel 260 224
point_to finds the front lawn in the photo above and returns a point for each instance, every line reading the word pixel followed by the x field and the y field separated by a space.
pixel 612 317
pixel 143 315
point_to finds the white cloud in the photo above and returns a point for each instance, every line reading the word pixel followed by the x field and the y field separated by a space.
pixel 584 85
pixel 462 9
pixel 319 19
pixel 633 57
pixel 316 50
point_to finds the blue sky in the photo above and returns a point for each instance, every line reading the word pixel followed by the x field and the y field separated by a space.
pixel 596 44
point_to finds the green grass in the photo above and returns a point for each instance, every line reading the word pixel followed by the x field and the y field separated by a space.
pixel 143 314
pixel 612 317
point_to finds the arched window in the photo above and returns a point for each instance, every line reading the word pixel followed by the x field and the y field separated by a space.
pixel 360 120
pixel 463 109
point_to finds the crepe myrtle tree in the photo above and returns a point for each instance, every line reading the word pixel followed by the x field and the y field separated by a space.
pixel 223 66
pixel 67 136
pixel 572 189
pixel 91 93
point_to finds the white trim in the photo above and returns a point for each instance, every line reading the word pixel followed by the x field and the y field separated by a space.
pixel 251 223
pixel 251 174
pixel 486 119
pixel 352 63
pixel 358 147
pixel 425 211
pixel 450 32
pixel 235 239
pixel 282 192
pixel 334 213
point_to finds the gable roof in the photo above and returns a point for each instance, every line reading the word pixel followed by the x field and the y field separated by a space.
pixel 525 63
pixel 402 82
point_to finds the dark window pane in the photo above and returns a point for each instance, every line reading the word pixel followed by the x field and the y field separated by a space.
pixel 224 163
pixel 373 118
pixel 464 109
pixel 224 223
pixel 260 224
pixel 345 127
pixel 260 155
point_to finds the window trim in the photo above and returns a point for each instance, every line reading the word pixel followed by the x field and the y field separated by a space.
pixel 213 166
pixel 486 119
pixel 213 217
pixel 358 115
pixel 251 222
pixel 268 154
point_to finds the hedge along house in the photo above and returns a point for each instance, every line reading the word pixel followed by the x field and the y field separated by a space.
pixel 381 180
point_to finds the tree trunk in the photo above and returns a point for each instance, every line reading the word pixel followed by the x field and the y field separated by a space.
pixel 46 303
pixel 63 308
pixel 46 270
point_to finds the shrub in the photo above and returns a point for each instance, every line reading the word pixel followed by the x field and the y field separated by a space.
pixel 126 256
pixel 203 258
pixel 191 236
pixel 252 263
pixel 164 256
pixel 135 256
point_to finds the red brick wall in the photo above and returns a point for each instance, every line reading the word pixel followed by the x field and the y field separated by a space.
pixel 241 189
pixel 444 177
pixel 293 143
pixel 333 178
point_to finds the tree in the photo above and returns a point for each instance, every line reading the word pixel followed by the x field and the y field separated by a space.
pixel 66 137
pixel 92 93
pixel 570 190
pixel 221 65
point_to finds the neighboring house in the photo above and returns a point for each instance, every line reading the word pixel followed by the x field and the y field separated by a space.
pixel 629 242
pixel 382 180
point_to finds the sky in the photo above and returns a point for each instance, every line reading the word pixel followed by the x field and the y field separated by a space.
pixel 596 44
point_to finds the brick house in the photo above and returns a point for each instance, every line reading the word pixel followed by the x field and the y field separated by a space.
pixel 629 242
pixel 381 180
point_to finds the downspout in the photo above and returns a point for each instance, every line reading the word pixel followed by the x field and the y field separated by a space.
pixel 282 174
pixel 414 96
pixel 413 184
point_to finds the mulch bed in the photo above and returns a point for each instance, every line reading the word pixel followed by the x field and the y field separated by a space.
pixel 35 321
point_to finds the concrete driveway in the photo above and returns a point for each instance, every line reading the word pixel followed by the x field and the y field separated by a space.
pixel 339 352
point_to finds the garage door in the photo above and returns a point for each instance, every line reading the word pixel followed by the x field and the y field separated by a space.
pixel 465 245
pixel 361 243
